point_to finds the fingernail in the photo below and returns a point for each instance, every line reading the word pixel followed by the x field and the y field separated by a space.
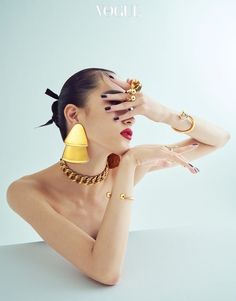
pixel 116 118
pixel 195 144
pixel 103 95
pixel 107 108
pixel 195 168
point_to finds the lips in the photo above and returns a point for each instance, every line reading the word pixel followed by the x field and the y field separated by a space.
pixel 127 133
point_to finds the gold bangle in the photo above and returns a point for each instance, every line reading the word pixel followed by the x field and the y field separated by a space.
pixel 183 116
pixel 122 196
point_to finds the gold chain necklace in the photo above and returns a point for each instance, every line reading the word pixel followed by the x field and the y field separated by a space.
pixel 83 179
pixel 88 180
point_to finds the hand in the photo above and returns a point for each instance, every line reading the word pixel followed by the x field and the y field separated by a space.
pixel 160 156
pixel 143 105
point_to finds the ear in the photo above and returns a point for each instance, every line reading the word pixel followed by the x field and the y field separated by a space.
pixel 71 113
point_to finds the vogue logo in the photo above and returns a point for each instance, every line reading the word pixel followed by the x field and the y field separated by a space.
pixel 117 10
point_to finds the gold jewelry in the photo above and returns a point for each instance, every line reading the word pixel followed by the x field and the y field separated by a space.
pixel 132 98
pixel 75 151
pixel 135 87
pixel 122 196
pixel 83 179
pixel 132 91
pixel 136 84
pixel 183 116
pixel 76 144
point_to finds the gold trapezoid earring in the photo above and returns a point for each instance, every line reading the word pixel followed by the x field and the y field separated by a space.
pixel 76 144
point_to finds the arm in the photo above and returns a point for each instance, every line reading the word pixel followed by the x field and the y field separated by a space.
pixel 209 136
pixel 204 131
pixel 101 259
pixel 110 245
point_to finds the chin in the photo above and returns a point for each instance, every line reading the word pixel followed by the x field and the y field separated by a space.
pixel 120 149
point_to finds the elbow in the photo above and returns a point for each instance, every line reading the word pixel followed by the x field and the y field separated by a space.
pixel 111 279
pixel 105 274
pixel 104 278
pixel 107 280
pixel 225 138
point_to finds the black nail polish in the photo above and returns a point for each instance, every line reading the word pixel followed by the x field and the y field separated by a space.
pixel 116 118
pixel 107 108
pixel 103 95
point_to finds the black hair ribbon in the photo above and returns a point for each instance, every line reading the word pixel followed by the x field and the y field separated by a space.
pixel 54 95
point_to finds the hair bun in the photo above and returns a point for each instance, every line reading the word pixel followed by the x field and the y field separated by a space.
pixel 54 109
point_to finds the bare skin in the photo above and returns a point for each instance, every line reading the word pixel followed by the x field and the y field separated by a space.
pixel 84 209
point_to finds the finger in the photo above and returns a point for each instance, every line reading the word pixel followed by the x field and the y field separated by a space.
pixel 114 97
pixel 124 106
pixel 179 159
pixel 194 169
pixel 186 148
pixel 124 85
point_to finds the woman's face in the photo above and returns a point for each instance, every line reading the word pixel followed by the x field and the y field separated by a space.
pixel 99 124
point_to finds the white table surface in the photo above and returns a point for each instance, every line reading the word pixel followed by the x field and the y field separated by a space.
pixel 189 263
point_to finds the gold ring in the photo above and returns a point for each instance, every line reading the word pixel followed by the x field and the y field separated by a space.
pixel 135 87
pixel 136 84
pixel 131 91
pixel 132 98
pixel 171 148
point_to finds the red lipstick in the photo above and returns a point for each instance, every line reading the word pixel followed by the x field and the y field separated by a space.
pixel 127 133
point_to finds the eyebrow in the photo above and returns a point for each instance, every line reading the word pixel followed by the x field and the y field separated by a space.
pixel 112 92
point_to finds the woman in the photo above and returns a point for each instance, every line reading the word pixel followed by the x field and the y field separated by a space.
pixel 81 205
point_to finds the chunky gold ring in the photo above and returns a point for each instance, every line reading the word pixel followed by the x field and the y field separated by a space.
pixel 132 98
pixel 136 84
pixel 135 87
pixel 131 91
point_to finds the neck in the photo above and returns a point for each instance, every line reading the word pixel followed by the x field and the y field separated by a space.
pixel 96 164
pixel 93 167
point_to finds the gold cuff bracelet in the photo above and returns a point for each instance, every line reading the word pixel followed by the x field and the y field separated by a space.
pixel 183 116
pixel 122 196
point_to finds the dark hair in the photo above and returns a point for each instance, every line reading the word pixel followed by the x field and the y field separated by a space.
pixel 74 91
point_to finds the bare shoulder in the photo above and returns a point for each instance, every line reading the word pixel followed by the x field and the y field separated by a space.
pixel 29 184
pixel 27 198
pixel 22 189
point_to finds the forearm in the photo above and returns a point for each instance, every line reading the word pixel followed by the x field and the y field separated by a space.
pixel 110 245
pixel 204 131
